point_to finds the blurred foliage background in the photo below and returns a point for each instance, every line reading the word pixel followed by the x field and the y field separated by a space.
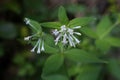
pixel 16 61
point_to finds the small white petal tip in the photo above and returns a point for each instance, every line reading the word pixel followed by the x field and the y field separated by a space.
pixel 27 21
pixel 55 32
pixel 77 27
pixel 32 50
pixel 27 38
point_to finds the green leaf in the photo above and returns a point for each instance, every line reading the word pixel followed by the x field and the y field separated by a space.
pixel 89 32
pixel 53 63
pixel 89 72
pixel 50 49
pixel 104 27
pixel 49 39
pixel 114 68
pixel 103 45
pixel 51 24
pixel 56 77
pixel 114 41
pixel 73 69
pixel 80 21
pixel 62 16
pixel 78 55
pixel 35 26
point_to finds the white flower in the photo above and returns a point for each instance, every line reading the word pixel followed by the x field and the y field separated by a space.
pixel 55 32
pixel 28 22
pixel 27 38
pixel 63 28
pixel 77 27
pixel 66 35
pixel 39 45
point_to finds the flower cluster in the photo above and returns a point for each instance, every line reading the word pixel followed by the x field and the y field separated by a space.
pixel 40 42
pixel 66 35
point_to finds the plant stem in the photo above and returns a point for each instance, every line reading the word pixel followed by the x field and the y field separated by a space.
pixel 66 72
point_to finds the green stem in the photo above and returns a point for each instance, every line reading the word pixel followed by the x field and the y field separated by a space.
pixel 66 71
pixel 62 49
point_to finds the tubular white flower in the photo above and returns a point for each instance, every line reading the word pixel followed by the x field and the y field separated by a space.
pixel 65 39
pixel 33 50
pixel 39 42
pixel 63 28
pixel 77 41
pixel 57 39
pixel 77 27
pixel 66 35
pixel 70 31
pixel 39 45
pixel 42 48
pixel 78 33
pixel 70 40
pixel 55 32
pixel 27 38
pixel 27 21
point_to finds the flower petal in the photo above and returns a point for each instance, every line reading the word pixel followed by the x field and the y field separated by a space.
pixel 27 38
pixel 57 39
pixel 55 32
pixel 35 46
pixel 65 39
pixel 42 48
pixel 27 21
pixel 39 42
pixel 77 41
pixel 77 27
pixel 78 33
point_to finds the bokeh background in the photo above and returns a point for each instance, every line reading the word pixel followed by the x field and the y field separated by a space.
pixel 16 61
